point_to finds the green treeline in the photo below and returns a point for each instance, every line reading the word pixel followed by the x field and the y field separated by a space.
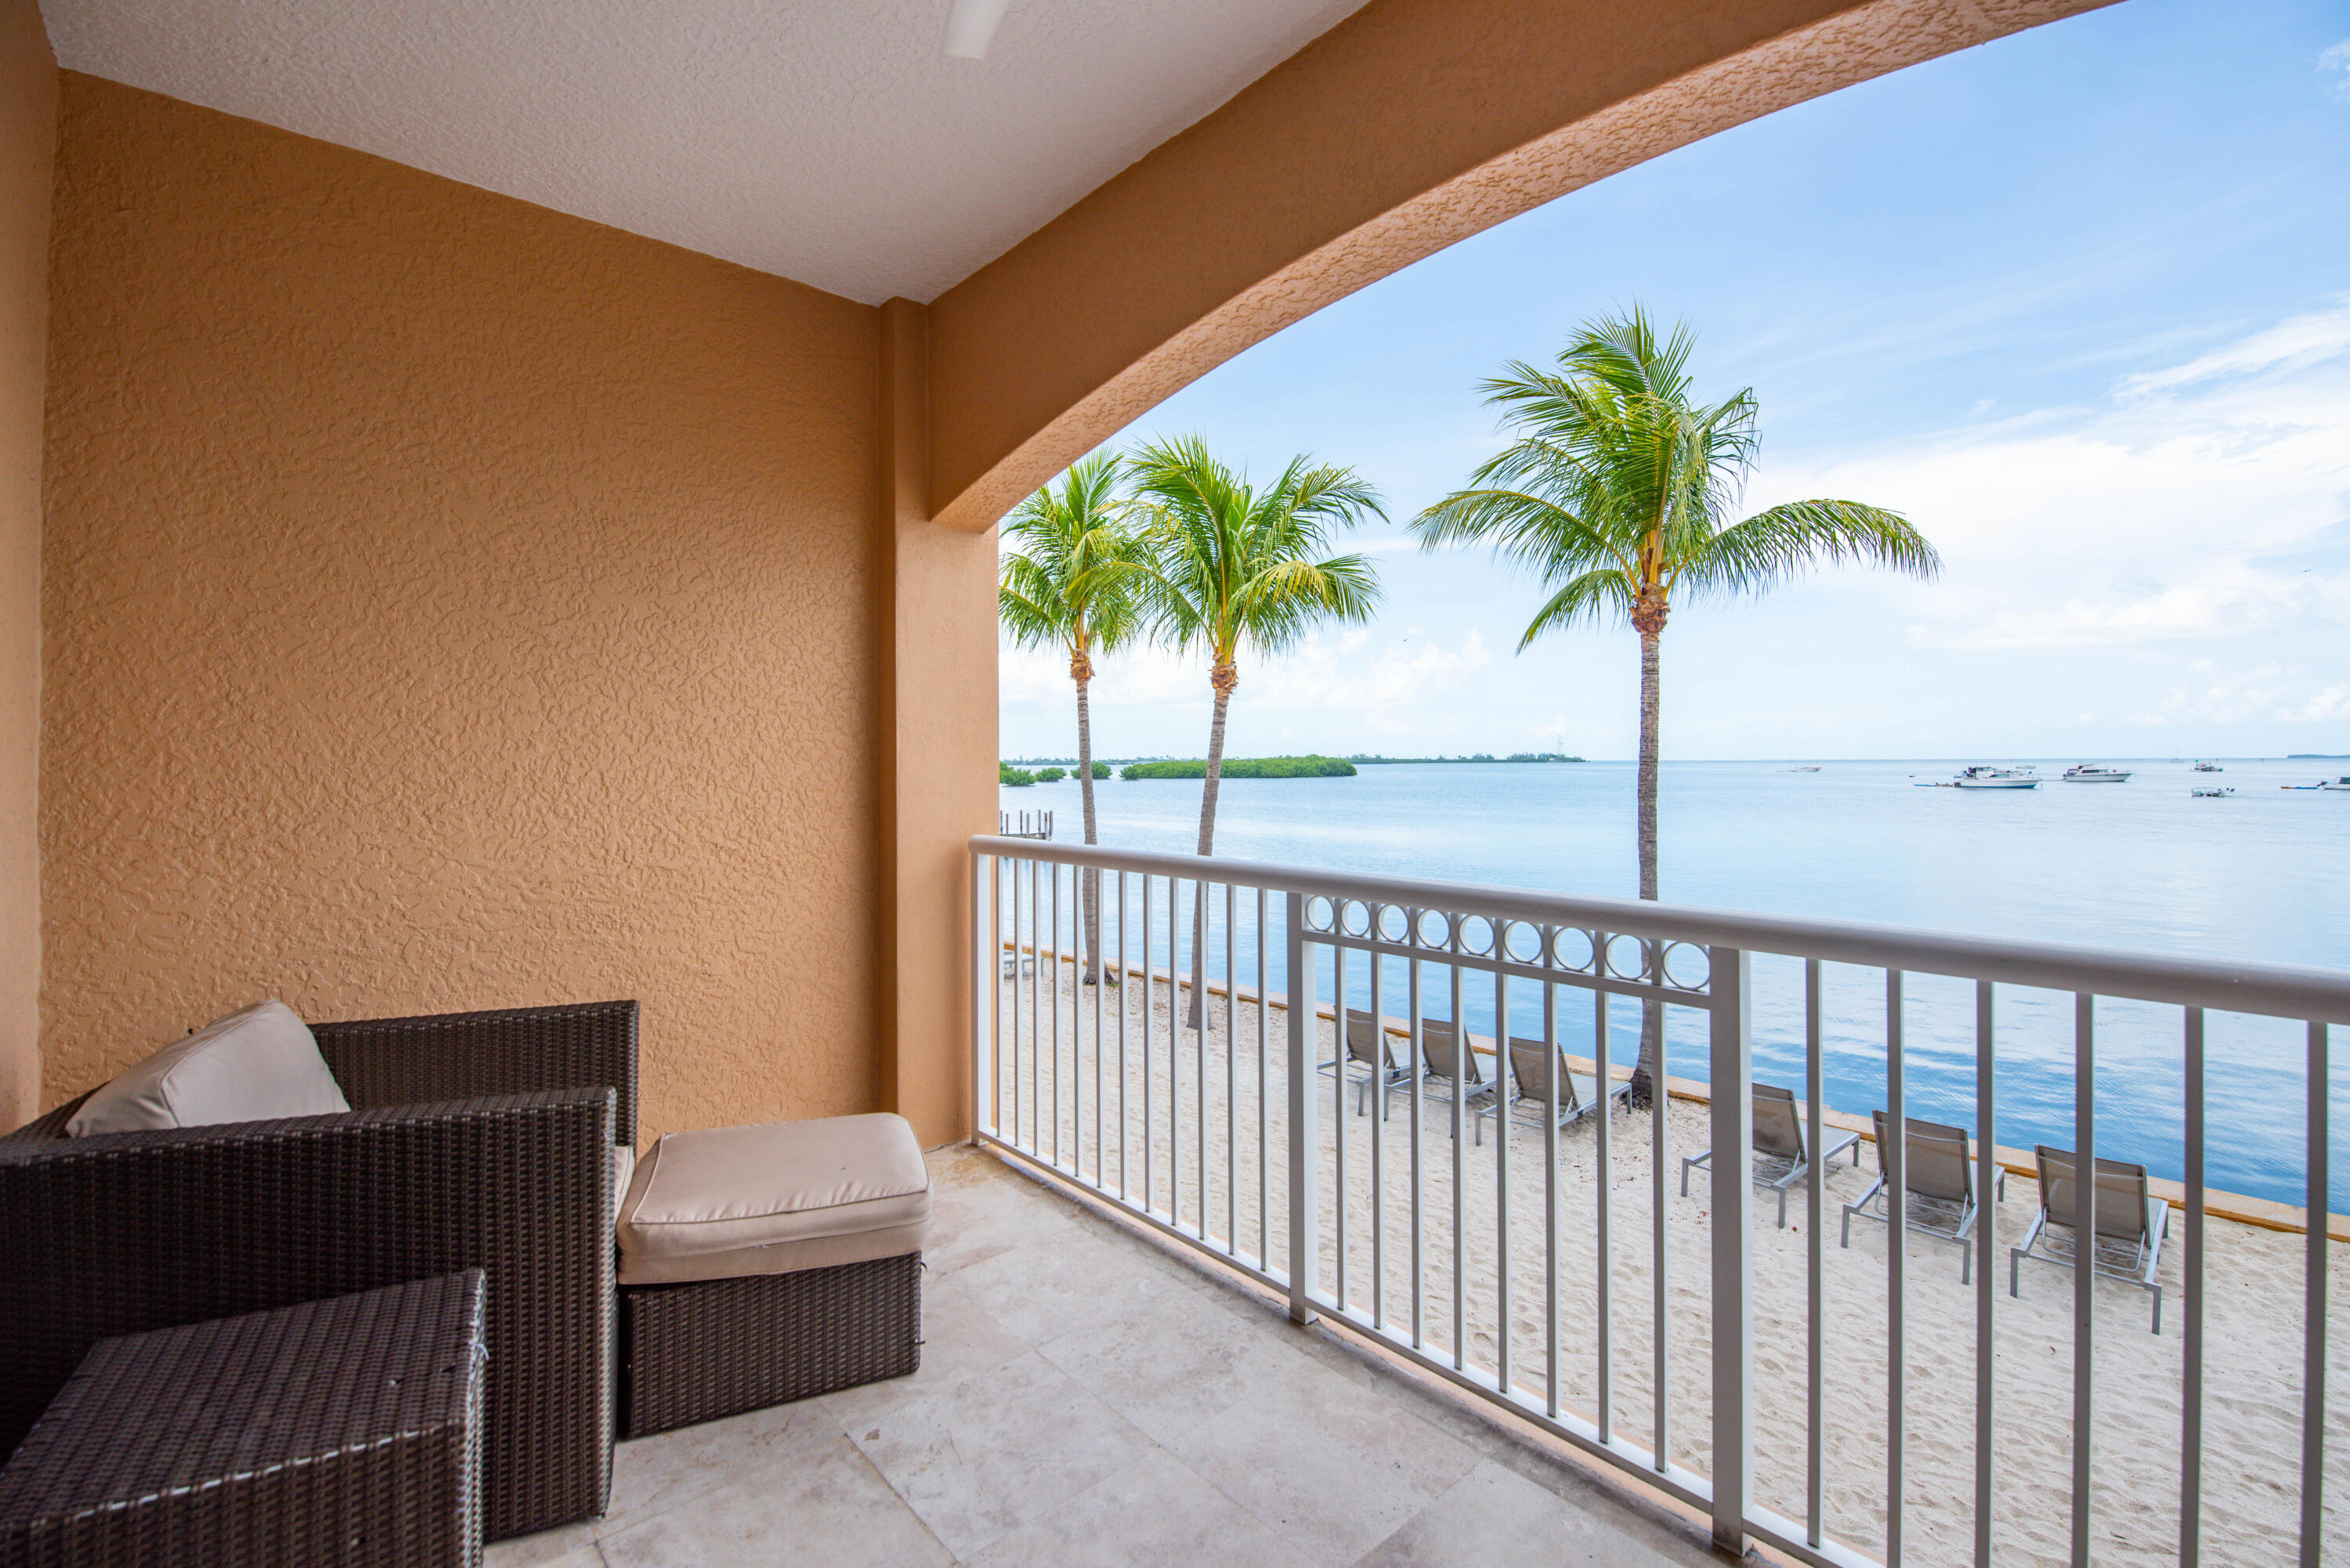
pixel 1245 768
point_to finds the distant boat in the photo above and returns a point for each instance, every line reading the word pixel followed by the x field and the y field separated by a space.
pixel 1996 778
pixel 1804 769
pixel 2342 783
pixel 2210 792
pixel 2209 768
pixel 2096 773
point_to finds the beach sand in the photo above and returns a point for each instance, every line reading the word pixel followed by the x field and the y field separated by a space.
pixel 2253 1377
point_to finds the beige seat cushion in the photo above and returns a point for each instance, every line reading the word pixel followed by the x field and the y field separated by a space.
pixel 256 1064
pixel 774 1199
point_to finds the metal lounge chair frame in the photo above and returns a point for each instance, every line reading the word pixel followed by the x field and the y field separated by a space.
pixel 1781 1157
pixel 1578 1093
pixel 1438 1053
pixel 1941 1168
pixel 2130 1219
pixel 1370 1059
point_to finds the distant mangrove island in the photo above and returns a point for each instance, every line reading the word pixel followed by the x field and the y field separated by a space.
pixel 1244 768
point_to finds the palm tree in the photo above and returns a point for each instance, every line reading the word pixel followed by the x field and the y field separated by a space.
pixel 1232 563
pixel 1618 493
pixel 1071 581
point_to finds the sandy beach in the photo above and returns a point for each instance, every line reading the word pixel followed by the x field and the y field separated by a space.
pixel 2253 1355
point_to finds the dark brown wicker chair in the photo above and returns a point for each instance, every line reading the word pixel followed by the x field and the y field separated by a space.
pixel 476 1140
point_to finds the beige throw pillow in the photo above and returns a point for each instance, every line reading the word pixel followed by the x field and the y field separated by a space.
pixel 256 1064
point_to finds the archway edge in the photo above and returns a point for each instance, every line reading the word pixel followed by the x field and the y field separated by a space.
pixel 1410 126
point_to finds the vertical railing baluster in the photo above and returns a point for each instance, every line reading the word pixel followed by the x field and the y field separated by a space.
pixel 1464 1063
pixel 992 905
pixel 1176 1013
pixel 1553 1047
pixel 1501 1102
pixel 1418 1194
pixel 1125 1005
pixel 1603 1206
pixel 1304 1154
pixel 2312 1350
pixel 1660 1156
pixel 1379 1125
pixel 1092 938
pixel 1339 1191
pixel 1149 1098
pixel 1232 1071
pixel 2084 1261
pixel 1200 906
pixel 1815 1259
pixel 1019 1035
pixel 1895 1158
pixel 1264 1093
pixel 2190 1435
pixel 1054 1076
pixel 1036 1003
pixel 1731 1075
pixel 1986 1240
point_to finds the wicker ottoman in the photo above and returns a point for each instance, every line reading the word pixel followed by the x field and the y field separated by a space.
pixel 762 1265
pixel 343 1432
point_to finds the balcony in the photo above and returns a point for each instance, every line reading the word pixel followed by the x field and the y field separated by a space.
pixel 1084 1397
pixel 1842 1391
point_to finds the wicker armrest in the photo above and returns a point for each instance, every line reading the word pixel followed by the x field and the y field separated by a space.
pixel 461 1056
pixel 126 1231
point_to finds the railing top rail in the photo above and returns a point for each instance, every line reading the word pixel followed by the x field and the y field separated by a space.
pixel 2281 990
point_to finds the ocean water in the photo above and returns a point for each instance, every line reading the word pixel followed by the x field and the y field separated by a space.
pixel 2263 876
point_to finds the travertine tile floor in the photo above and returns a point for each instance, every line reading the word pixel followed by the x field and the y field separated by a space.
pixel 1088 1401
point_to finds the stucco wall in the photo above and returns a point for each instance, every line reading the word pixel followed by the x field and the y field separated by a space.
pixel 449 603
pixel 28 118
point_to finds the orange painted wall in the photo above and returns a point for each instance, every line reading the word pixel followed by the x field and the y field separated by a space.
pixel 449 603
pixel 29 119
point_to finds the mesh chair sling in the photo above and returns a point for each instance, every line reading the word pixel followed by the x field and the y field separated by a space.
pixel 1940 1183
pixel 2132 1223
pixel 1782 1160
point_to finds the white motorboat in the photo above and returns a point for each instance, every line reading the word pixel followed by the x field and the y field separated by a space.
pixel 2209 768
pixel 1996 778
pixel 2096 773
pixel 2342 783
pixel 2210 792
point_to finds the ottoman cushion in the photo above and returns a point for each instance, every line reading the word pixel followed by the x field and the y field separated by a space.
pixel 774 1199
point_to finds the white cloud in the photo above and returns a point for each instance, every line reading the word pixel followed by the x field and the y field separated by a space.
pixel 1344 671
pixel 2269 691
pixel 2293 343
pixel 2337 59
pixel 2139 522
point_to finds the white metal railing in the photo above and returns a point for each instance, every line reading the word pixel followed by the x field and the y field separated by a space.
pixel 1214 1137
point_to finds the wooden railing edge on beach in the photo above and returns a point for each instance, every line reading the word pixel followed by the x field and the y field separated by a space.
pixel 2263 1214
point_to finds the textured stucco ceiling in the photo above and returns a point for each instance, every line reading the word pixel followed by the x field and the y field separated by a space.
pixel 828 141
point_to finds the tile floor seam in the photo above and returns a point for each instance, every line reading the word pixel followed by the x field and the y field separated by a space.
pixel 867 1460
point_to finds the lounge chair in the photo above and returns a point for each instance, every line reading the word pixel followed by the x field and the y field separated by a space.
pixel 1942 1184
pixel 1780 1156
pixel 1578 1093
pixel 1439 1054
pixel 2131 1223
pixel 1370 1060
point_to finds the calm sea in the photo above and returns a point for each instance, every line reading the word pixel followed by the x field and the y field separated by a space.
pixel 2263 875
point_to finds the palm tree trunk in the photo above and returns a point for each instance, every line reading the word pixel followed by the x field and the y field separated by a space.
pixel 1089 890
pixel 1223 678
pixel 1645 1073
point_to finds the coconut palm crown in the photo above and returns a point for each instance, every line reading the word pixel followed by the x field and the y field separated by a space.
pixel 1071 581
pixel 1621 494
pixel 1235 565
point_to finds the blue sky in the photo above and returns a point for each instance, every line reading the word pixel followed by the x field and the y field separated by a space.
pixel 2077 302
